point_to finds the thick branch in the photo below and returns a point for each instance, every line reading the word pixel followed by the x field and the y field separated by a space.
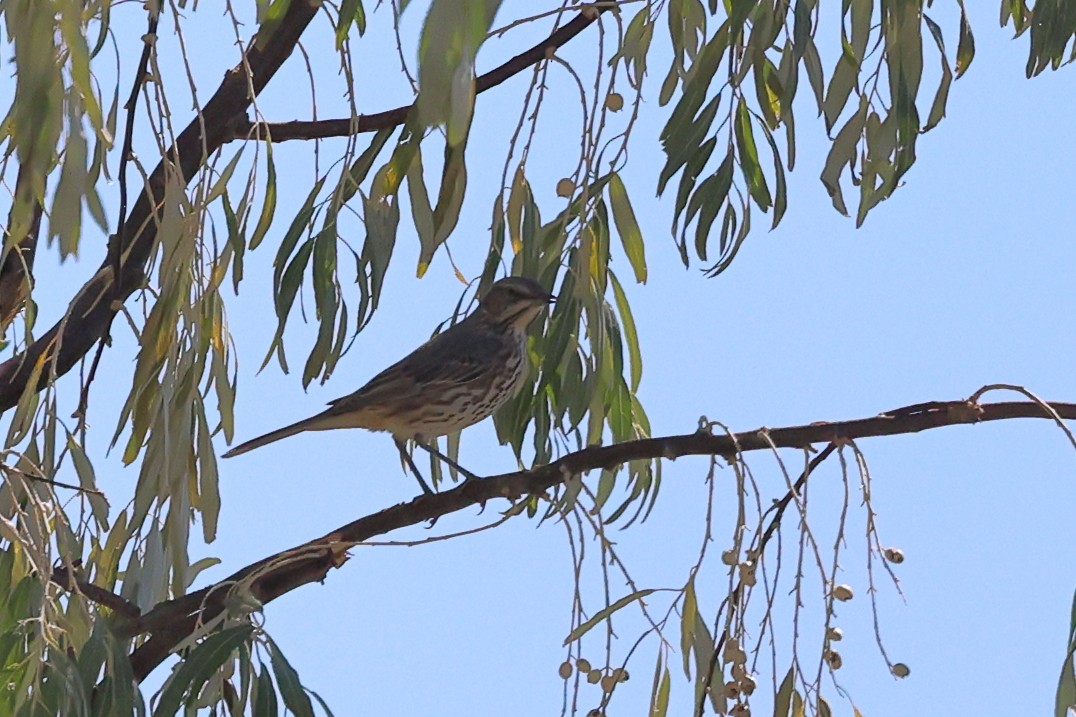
pixel 92 309
pixel 320 129
pixel 170 622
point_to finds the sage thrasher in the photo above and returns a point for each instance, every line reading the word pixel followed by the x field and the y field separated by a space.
pixel 452 381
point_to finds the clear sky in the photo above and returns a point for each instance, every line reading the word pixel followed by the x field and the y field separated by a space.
pixel 963 278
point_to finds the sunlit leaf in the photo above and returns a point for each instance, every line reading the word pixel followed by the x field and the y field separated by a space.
pixel 627 227
pixel 198 666
pixel 604 614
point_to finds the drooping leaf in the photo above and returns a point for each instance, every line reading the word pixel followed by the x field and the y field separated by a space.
pixel 631 237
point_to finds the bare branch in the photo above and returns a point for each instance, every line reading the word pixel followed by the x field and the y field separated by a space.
pixel 319 129
pixel 170 622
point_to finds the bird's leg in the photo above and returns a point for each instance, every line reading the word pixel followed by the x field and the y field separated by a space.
pixel 468 475
pixel 411 464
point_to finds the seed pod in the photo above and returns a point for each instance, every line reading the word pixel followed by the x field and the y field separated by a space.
pixel 614 102
pixel 894 555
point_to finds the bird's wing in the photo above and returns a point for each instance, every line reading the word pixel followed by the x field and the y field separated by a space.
pixel 451 357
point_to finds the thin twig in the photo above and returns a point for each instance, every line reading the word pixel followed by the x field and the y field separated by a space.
pixel 319 129
pixel 119 240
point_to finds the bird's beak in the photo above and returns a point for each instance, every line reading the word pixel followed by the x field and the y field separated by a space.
pixel 550 299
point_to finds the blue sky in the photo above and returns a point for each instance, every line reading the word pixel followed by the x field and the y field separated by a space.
pixel 961 279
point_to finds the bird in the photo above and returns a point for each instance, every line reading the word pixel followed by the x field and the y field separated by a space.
pixel 456 379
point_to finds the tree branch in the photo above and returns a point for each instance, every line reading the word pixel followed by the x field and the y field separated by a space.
pixel 90 312
pixel 71 579
pixel 170 622
pixel 320 129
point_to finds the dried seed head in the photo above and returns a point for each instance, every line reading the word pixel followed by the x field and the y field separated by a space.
pixel 842 592
pixel 614 102
pixel 748 685
pixel 747 573
pixel 729 557
pixel 900 670
pixel 565 670
pixel 731 690
pixel 583 664
pixel 565 187
pixel 594 676
pixel 608 683
pixel 894 555
pixel 833 659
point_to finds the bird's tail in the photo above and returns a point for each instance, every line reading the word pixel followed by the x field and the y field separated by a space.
pixel 273 436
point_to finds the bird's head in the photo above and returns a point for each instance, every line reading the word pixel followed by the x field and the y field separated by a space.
pixel 515 302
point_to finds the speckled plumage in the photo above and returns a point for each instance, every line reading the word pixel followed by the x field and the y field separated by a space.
pixel 452 381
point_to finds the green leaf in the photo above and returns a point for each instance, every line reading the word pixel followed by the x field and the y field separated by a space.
pixel 688 614
pixel 451 35
pixel 86 479
pixel 198 666
pixel 812 64
pixel 605 612
pixel 1066 688
pixel 268 202
pixel 842 153
pixel 690 176
pixel 683 146
pixel 1066 683
pixel 965 49
pixel 631 336
pixel 749 164
pixel 840 87
pixel 782 702
pixel 350 12
pixel 421 211
pixel 626 225
pixel 709 197
pixel 659 696
pixel 225 176
pixel 636 46
pixel 449 202
pixel 286 291
pixel 299 225
pixel 291 689
pixel 65 219
pixel 780 195
pixel 264 703
pixel 937 109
